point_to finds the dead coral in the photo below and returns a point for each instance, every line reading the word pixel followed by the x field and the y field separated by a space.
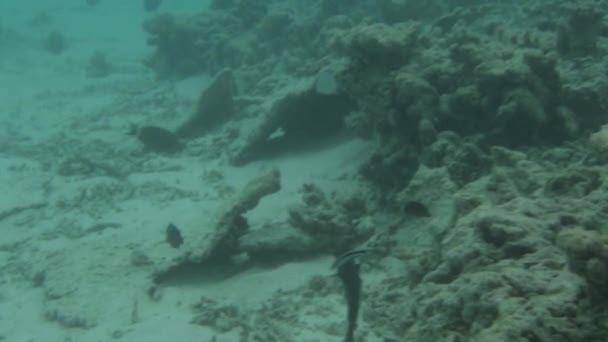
pixel 599 141
pixel 335 224
pixel 415 104
pixel 574 182
pixel 497 272
pixel 215 106
pixel 270 240
pixel 208 312
pixel 497 279
pixel 587 256
pixel 300 118
pixel 526 89
pixel 381 45
pixel 238 35
pixel 579 33
pixel 431 191
pixel 464 160
pixel 463 81
pixel 222 241
pixel 219 243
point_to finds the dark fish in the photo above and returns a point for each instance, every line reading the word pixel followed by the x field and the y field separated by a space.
pixel 173 236
pixel 416 209
pixel 157 139
pixel 348 271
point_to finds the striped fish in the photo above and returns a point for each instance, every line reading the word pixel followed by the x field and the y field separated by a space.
pixel 350 255
pixel 348 271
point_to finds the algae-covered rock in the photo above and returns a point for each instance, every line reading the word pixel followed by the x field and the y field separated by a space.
pixel 465 160
pixel 218 243
pixel 432 189
pixel 301 117
pixel 588 257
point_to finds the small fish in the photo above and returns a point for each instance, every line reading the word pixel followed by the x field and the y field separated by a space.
pixel 348 271
pixel 173 236
pixel 157 139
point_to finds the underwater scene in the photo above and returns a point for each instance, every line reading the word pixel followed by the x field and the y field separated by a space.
pixel 304 170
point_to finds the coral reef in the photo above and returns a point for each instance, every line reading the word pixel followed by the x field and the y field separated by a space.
pixel 498 271
pixel 580 31
pixel 381 45
pixel 301 116
pixel 335 224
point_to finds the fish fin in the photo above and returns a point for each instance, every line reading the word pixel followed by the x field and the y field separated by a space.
pixel 350 255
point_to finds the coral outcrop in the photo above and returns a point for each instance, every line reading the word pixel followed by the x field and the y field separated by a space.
pixel 215 106
pixel 300 117
pixel 578 34
pixel 502 266
pixel 220 242
pixel 587 252
pixel 335 224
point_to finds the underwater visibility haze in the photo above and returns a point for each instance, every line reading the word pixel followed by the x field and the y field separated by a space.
pixel 304 171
